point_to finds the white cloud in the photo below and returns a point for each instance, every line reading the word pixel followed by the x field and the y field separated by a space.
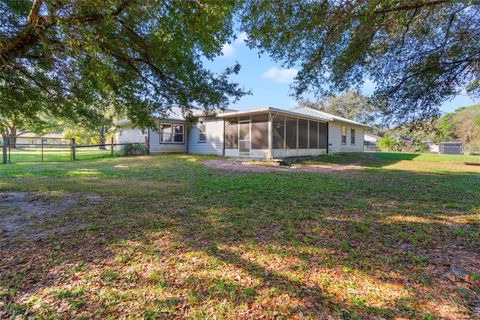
pixel 241 38
pixel 228 50
pixel 280 75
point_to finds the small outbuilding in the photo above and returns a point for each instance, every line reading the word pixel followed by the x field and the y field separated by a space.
pixel 452 147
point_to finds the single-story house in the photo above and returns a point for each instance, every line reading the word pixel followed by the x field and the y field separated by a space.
pixel 432 146
pixel 370 141
pixel 28 138
pixel 262 133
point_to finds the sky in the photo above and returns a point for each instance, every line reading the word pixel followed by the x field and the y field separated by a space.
pixel 269 83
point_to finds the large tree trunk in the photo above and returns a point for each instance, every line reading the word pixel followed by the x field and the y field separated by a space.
pixel 102 138
pixel 12 136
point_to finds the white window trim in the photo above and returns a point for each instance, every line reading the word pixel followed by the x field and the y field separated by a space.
pixel 172 133
pixel 342 135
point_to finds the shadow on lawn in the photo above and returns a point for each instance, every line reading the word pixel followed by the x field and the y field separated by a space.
pixel 374 160
pixel 328 241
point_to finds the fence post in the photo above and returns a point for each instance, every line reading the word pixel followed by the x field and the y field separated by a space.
pixel 72 149
pixel 42 147
pixel 111 146
pixel 4 149
pixel 147 145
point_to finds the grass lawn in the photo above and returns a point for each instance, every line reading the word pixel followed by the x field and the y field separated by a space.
pixel 56 154
pixel 395 236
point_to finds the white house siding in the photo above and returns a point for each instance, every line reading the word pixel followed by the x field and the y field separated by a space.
pixel 335 138
pixel 157 147
pixel 130 135
pixel 214 132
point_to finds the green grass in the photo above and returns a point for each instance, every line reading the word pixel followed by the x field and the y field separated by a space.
pixel 384 158
pixel 394 236
pixel 56 154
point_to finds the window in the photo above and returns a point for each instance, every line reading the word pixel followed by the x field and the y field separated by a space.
pixel 344 135
pixel 302 134
pixel 165 132
pixel 352 136
pixel 291 133
pixel 202 134
pixel 313 135
pixel 171 133
pixel 178 133
pixel 278 126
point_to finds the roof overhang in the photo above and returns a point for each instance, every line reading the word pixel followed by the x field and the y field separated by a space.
pixel 271 110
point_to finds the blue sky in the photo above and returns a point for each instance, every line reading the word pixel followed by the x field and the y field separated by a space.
pixel 269 82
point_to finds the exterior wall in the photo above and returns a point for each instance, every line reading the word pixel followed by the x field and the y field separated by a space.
pixel 214 129
pixel 130 135
pixel 285 153
pixel 157 147
pixel 335 138
pixel 254 153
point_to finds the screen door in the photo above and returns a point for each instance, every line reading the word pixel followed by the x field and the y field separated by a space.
pixel 244 141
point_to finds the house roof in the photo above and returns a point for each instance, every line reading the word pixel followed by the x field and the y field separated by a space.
pixel 371 137
pixel 318 113
pixel 300 111
pixel 177 114
pixel 275 110
pixel 173 113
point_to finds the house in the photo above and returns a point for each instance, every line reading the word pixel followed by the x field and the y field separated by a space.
pixel 432 146
pixel 262 133
pixel 28 138
pixel 370 141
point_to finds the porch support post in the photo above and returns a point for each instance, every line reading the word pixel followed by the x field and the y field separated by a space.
pixel 270 135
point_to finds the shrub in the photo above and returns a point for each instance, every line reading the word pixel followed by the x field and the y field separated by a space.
pixel 387 144
pixel 133 149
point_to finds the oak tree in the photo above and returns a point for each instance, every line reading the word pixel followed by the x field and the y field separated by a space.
pixel 419 53
pixel 62 56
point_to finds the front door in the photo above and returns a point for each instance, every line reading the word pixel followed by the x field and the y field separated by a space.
pixel 244 141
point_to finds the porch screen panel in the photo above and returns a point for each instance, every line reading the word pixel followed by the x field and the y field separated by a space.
pixel 291 138
pixel 231 133
pixel 302 134
pixel 260 131
pixel 278 127
pixel 323 128
pixel 313 135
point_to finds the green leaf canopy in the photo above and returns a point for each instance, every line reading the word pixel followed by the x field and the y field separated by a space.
pixel 71 57
pixel 419 53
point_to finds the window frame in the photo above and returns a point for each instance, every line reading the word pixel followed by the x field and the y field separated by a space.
pixel 172 133
pixel 201 132
pixel 352 136
pixel 343 137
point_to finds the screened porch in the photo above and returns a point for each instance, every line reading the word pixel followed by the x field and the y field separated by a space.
pixel 274 135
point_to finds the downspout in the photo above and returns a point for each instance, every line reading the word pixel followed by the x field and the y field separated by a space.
pixel 187 136
pixel 148 140
pixel 223 152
